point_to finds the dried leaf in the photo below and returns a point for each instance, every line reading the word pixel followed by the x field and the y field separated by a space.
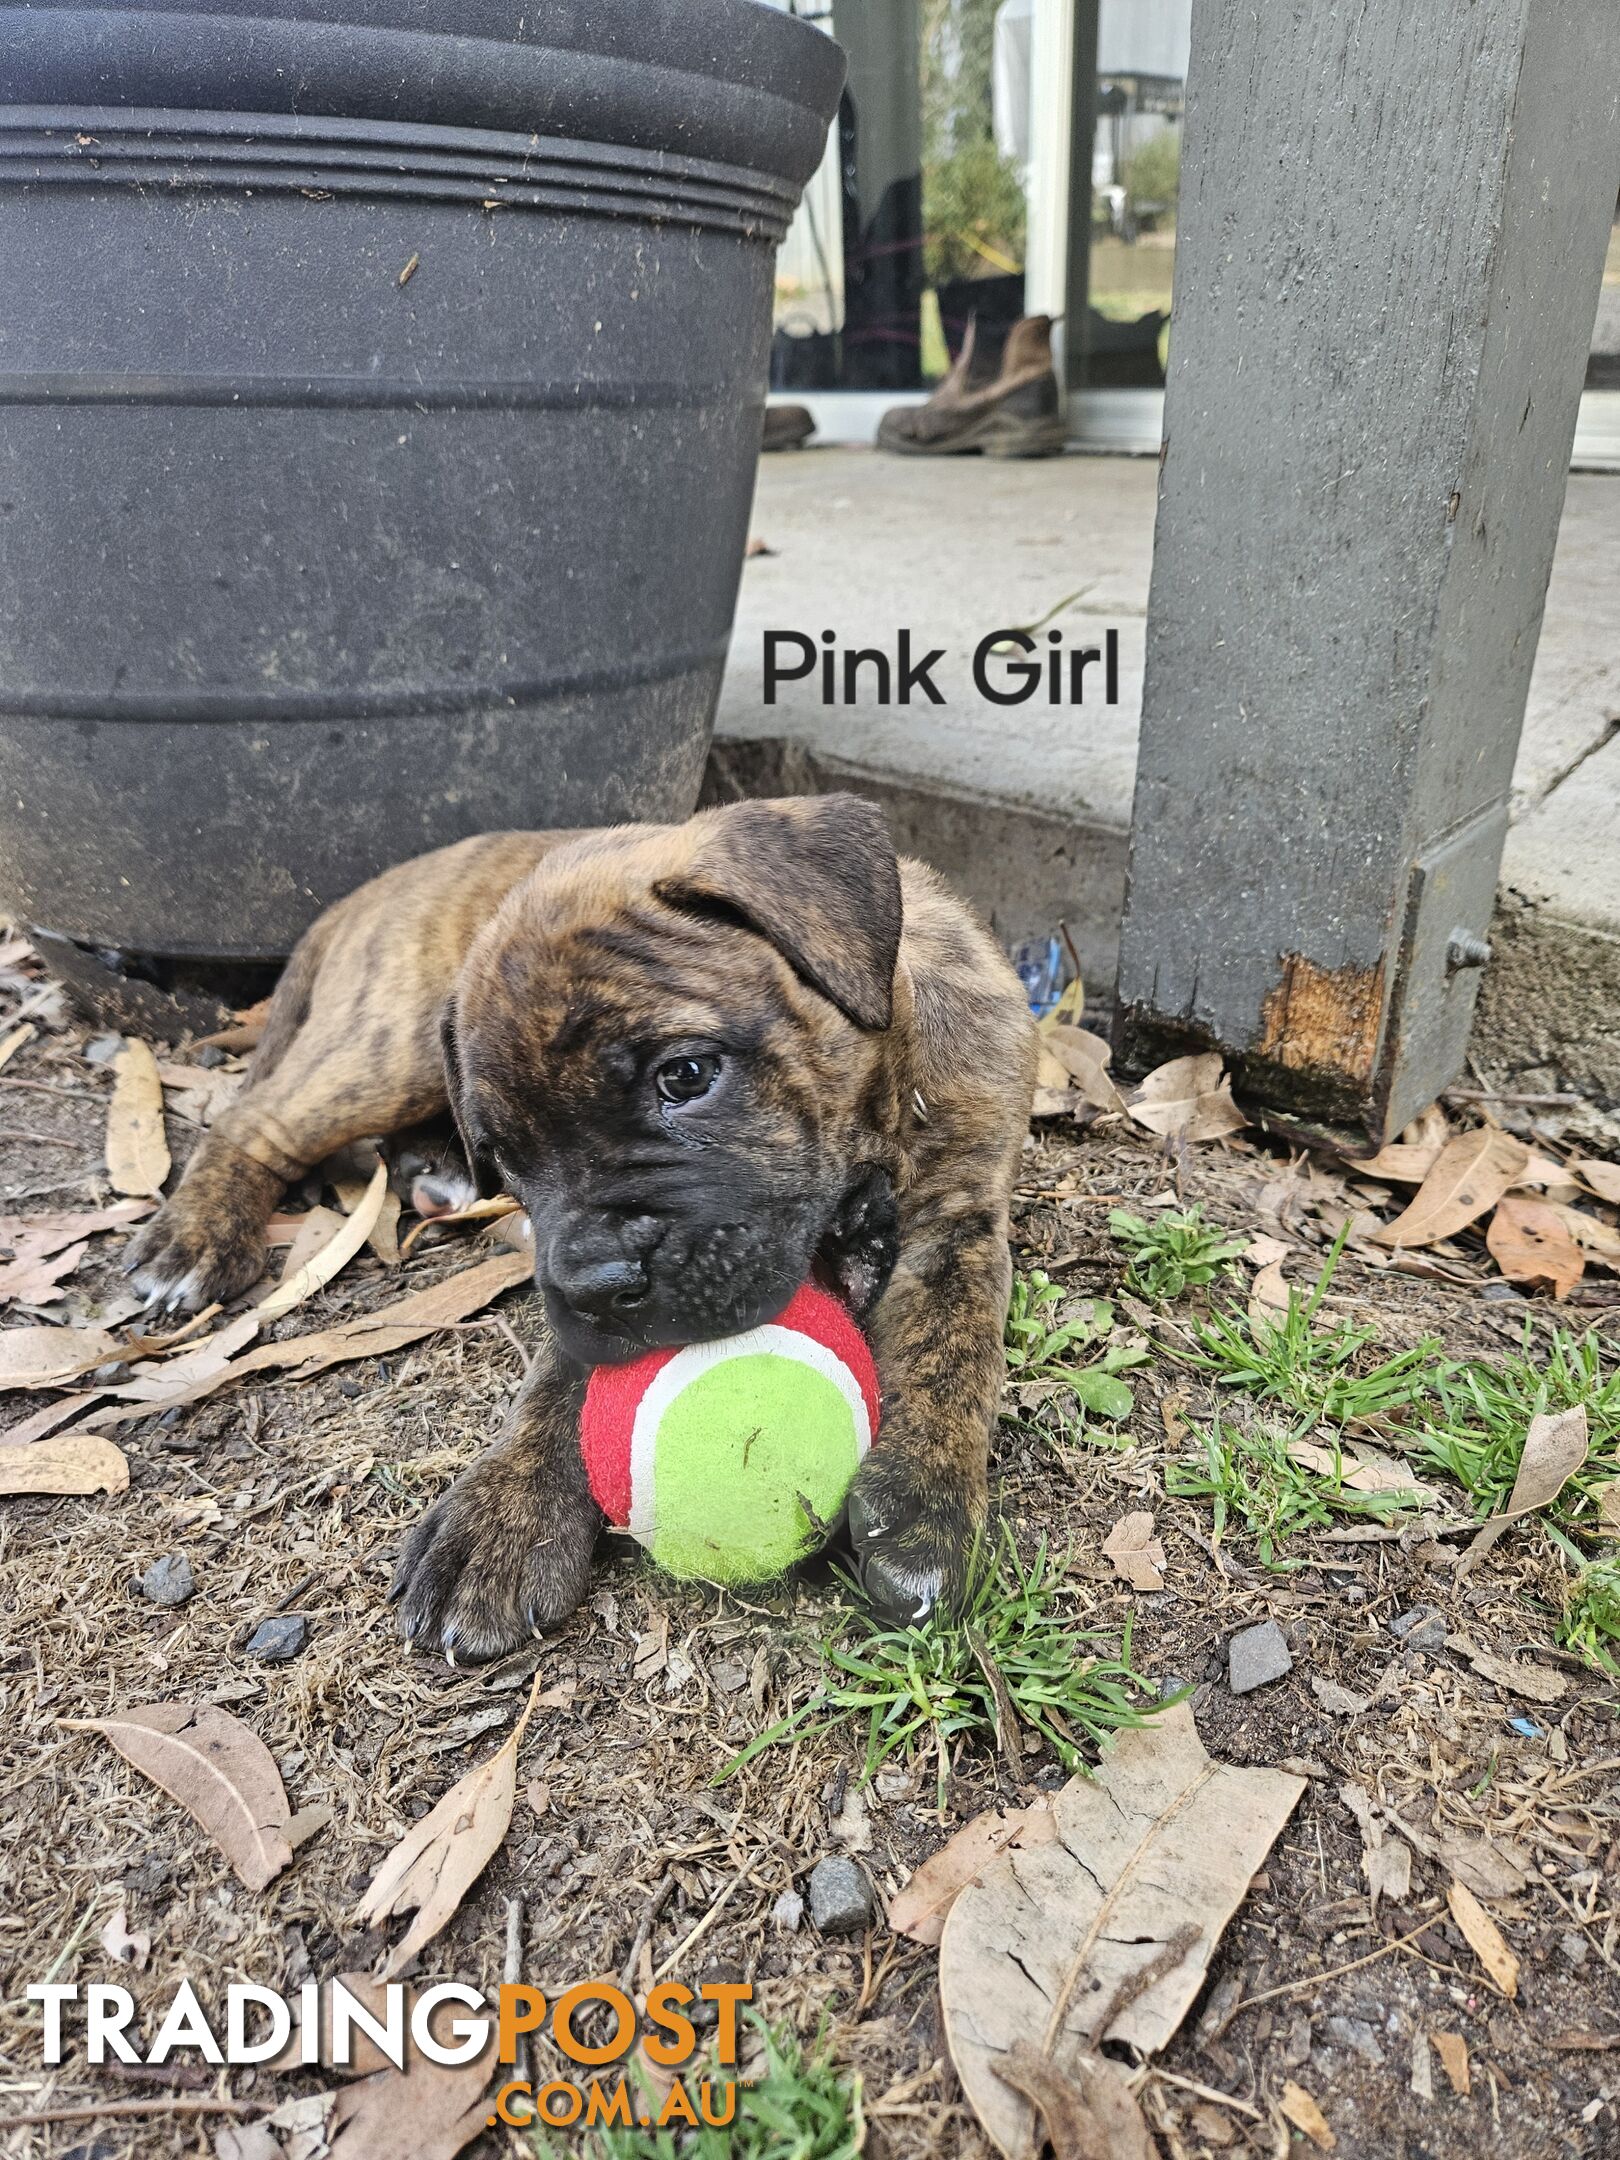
pixel 137 1152
pixel 200 1092
pixel 1268 1296
pixel 1554 1449
pixel 1452 2050
pixel 493 1210
pixel 1303 2112
pixel 1091 2114
pixel 248 2141
pixel 1188 1098
pixel 1470 1174
pixel 220 1773
pixel 428 2111
pixel 42 1357
pixel 1084 1058
pixel 1530 1243
pixel 1386 1862
pixel 36 1278
pixel 374 1334
pixel 1106 1931
pixel 928 1895
pixel 1431 1128
pixel 314 1233
pixel 1136 1553
pixel 65 1463
pixel 334 1256
pixel 1494 1868
pixel 49 1233
pixel 439 1859
pixel 1602 1178
pixel 1054 1102
pixel 1550 1176
pixel 1484 1937
pixel 249 1019
pixel 123 1946
pixel 1599 1239
pixel 1398 1164
pixel 1536 1683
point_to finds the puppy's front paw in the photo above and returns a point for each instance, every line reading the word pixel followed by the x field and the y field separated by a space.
pixel 195 1252
pixel 913 1536
pixel 498 1559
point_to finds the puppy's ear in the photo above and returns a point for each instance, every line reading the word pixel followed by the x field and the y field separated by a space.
pixel 817 876
pixel 484 1175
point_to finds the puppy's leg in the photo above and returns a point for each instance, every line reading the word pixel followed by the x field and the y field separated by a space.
pixel 342 1064
pixel 937 1334
pixel 350 1050
pixel 506 1553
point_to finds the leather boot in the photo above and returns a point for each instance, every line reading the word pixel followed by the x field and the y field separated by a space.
pixel 1014 414
pixel 786 427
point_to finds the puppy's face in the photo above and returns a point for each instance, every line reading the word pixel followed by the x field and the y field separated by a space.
pixel 673 1048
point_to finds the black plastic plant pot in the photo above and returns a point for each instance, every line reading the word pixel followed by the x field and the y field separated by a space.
pixel 380 391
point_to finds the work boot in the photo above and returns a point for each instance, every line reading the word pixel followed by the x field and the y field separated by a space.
pixel 1013 414
pixel 787 427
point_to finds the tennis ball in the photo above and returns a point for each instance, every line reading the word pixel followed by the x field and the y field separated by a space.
pixel 727 1459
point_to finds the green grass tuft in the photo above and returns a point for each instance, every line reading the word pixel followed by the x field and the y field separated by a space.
pixel 1590 1622
pixel 798 2108
pixel 1474 1429
pixel 1253 1481
pixel 1013 1650
pixel 1172 1254
pixel 1317 1374
pixel 1041 1346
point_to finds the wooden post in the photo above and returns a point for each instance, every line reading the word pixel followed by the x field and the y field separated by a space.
pixel 1390 243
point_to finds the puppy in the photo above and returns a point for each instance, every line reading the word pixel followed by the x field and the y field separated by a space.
pixel 709 1059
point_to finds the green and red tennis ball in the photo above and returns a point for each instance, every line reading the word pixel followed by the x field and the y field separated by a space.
pixel 708 1455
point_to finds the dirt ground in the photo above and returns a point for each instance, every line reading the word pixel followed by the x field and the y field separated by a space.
pixel 292 1496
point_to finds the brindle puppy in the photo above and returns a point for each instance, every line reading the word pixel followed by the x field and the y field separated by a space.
pixel 707 1058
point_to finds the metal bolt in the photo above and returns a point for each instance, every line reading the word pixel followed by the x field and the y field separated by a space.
pixel 1466 951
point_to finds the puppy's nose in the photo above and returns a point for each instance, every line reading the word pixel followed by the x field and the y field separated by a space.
pixel 600 1288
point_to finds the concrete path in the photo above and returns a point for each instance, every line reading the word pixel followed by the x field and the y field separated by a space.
pixel 865 545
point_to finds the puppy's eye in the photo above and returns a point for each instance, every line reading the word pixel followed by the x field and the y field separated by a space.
pixel 685 1079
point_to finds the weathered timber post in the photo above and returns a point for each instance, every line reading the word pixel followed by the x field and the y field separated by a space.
pixel 1389 249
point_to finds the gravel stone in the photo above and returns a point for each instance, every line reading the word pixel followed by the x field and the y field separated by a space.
pixel 840 1896
pixel 277 1640
pixel 1420 1629
pixel 169 1581
pixel 1357 2035
pixel 1256 1657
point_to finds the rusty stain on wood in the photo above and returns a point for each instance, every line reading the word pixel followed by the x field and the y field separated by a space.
pixel 1323 1020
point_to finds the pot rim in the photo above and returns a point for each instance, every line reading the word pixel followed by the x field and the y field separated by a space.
pixel 737 82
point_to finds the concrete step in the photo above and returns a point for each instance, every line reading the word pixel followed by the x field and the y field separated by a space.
pixel 1027 807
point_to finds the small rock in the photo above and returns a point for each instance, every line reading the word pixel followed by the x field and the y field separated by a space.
pixel 1256 1657
pixel 102 1049
pixel 1420 1629
pixel 277 1640
pixel 1572 1948
pixel 788 1911
pixel 169 1581
pixel 1357 2035
pixel 1429 1635
pixel 840 1897
pixel 209 1056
